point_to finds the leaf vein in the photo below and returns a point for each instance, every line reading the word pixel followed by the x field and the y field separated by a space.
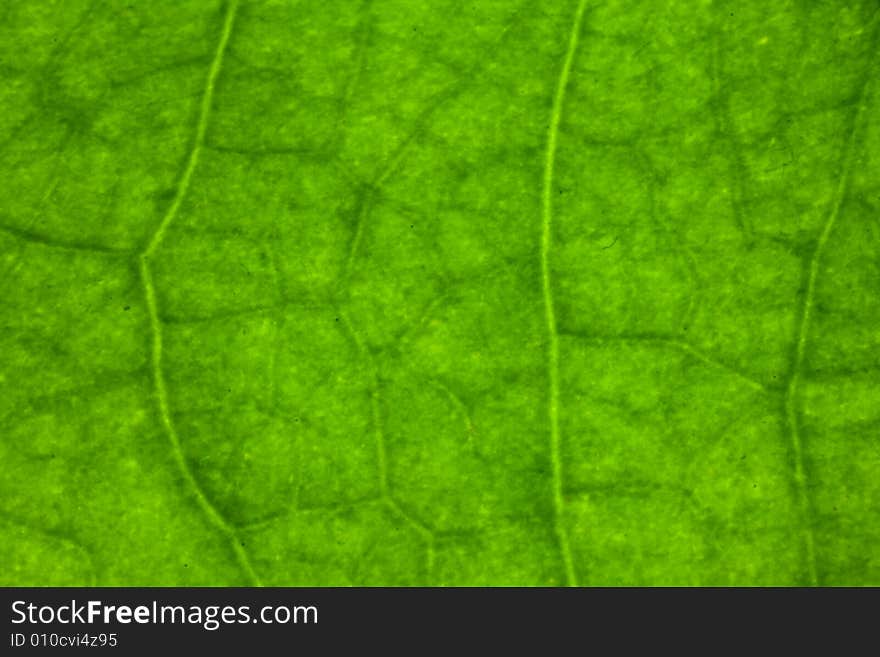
pixel 211 513
pixel 547 289
pixel 805 312
pixel 201 129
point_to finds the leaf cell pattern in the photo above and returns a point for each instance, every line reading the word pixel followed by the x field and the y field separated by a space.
pixel 439 293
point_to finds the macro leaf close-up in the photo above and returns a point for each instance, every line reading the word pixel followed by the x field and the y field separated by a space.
pixel 439 293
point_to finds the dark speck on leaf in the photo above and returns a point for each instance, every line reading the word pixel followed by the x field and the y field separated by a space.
pixel 127 308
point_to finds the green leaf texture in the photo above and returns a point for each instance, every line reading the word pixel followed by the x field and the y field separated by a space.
pixel 439 292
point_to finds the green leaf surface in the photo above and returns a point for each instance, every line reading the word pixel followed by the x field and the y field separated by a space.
pixel 408 292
